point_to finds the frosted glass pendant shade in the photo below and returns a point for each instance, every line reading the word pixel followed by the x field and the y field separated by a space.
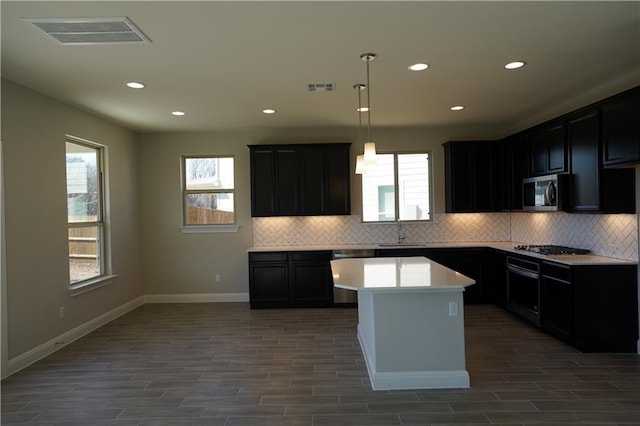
pixel 360 169
pixel 370 153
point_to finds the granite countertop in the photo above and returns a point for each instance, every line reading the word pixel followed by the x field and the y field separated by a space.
pixel 384 274
pixel 507 246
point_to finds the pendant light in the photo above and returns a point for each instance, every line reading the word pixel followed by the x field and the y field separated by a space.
pixel 360 164
pixel 369 146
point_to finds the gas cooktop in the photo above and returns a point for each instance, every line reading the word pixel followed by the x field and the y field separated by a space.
pixel 551 249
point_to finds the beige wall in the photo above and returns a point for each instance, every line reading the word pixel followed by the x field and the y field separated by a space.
pixel 37 276
pixel 176 263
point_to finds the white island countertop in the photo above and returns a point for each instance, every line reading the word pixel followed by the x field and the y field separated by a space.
pixel 396 273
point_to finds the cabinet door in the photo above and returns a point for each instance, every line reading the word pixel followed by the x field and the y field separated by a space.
pixel 556 300
pixel 262 183
pixel 538 153
pixel 584 137
pixel 311 280
pixel 483 182
pixel 495 278
pixel 338 189
pixel 458 177
pixel 557 149
pixel 518 169
pixel 312 284
pixel 548 150
pixel 286 191
pixel 269 285
pixel 621 131
pixel 312 181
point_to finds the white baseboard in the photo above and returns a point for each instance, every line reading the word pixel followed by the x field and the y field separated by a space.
pixel 196 298
pixel 398 380
pixel 39 352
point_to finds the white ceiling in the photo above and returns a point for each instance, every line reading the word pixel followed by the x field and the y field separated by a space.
pixel 223 62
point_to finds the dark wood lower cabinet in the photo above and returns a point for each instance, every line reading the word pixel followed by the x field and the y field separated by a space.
pixel 605 308
pixel 290 279
pixel 556 300
pixel 495 277
pixel 467 261
pixel 591 307
pixel 311 281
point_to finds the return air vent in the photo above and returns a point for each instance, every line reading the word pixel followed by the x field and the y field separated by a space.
pixel 90 30
pixel 321 87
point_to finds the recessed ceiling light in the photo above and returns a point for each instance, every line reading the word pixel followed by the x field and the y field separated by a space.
pixel 515 65
pixel 457 108
pixel 269 111
pixel 178 113
pixel 419 67
pixel 135 85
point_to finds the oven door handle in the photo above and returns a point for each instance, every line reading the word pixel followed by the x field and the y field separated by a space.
pixel 522 271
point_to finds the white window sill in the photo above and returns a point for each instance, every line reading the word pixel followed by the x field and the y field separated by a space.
pixel 208 229
pixel 90 285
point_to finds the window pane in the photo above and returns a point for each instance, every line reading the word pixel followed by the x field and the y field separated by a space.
pixel 210 208
pixel 85 254
pixel 413 186
pixel 83 183
pixel 378 197
pixel 209 173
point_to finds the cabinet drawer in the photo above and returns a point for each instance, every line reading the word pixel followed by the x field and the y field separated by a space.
pixel 557 271
pixel 298 256
pixel 277 256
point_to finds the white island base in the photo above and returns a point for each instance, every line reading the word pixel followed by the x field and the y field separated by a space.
pixel 410 321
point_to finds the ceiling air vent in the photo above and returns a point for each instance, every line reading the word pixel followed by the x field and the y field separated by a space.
pixel 321 87
pixel 90 30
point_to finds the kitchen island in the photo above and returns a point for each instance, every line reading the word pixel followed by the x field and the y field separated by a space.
pixel 410 320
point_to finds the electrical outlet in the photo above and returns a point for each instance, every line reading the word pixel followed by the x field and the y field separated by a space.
pixel 453 309
pixel 61 312
pixel 218 278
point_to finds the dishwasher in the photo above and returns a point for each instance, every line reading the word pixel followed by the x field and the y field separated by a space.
pixel 341 296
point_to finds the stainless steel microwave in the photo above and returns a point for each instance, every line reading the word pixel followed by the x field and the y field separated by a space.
pixel 544 193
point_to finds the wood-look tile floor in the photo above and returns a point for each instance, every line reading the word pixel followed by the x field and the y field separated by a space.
pixel 224 364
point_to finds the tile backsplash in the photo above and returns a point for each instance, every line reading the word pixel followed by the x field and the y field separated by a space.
pixel 605 235
pixel 611 235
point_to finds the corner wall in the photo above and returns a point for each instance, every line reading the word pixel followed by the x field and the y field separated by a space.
pixel 37 272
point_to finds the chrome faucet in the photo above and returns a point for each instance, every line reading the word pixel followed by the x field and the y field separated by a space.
pixel 401 236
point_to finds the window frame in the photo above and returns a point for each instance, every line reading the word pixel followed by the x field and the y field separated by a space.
pixel 186 228
pixel 396 188
pixel 105 277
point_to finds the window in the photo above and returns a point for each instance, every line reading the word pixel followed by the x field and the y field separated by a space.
pixel 208 186
pixel 397 188
pixel 85 210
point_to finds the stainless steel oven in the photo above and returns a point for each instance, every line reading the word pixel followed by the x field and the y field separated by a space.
pixel 523 289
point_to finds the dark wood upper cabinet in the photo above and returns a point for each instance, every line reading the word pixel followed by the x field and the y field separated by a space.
pixel 548 150
pixel 621 130
pixel 300 180
pixel 585 164
pixel 517 152
pixel 474 176
pixel 263 182
pixel 595 189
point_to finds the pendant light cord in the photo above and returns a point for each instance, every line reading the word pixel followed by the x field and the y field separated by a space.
pixel 368 100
